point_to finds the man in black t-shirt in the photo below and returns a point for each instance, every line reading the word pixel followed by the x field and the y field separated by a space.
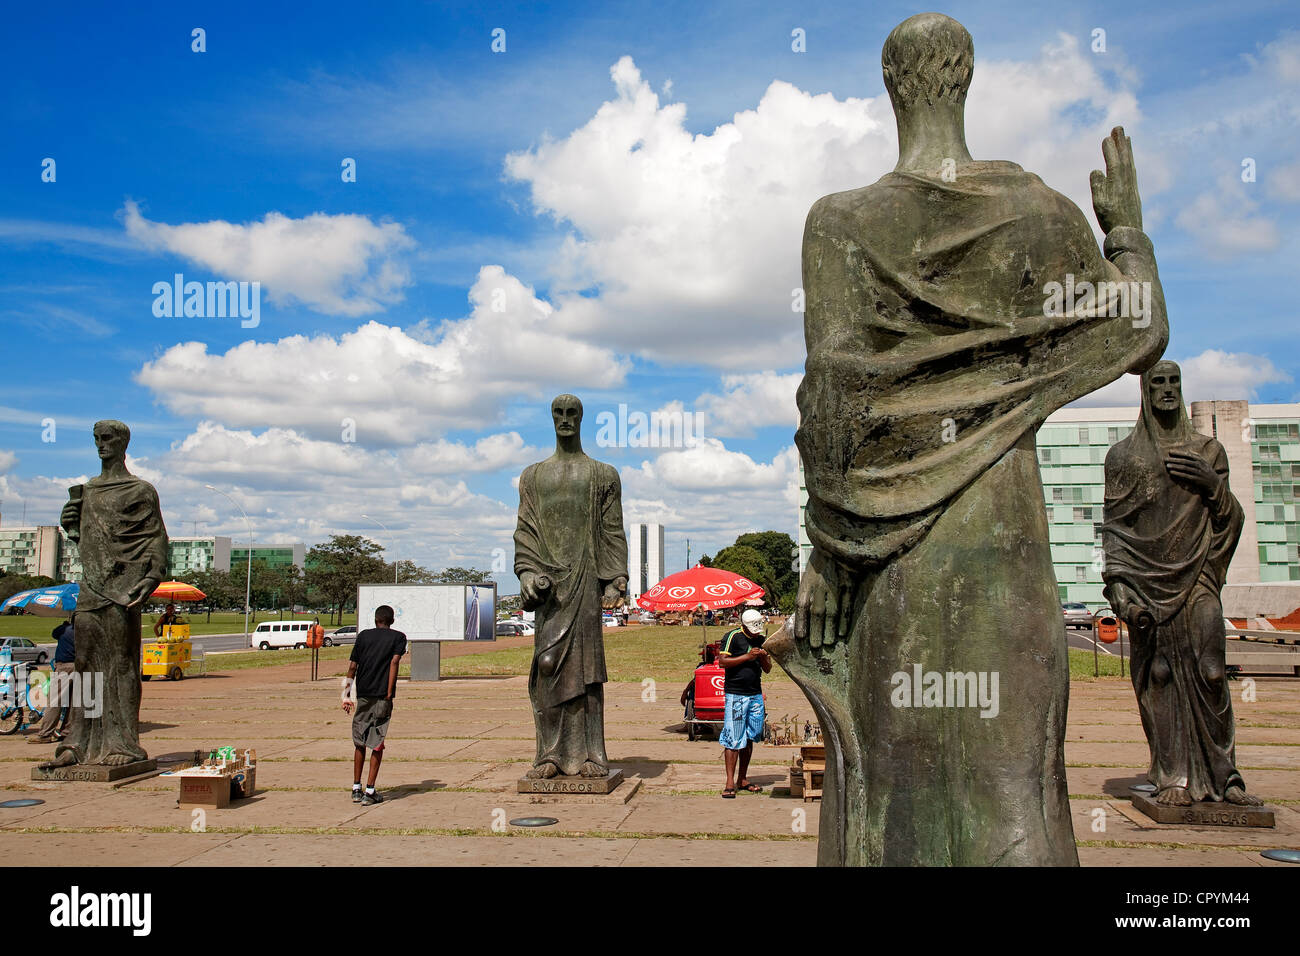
pixel 373 672
pixel 743 659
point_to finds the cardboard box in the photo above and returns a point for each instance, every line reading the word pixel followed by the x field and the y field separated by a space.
pixel 243 784
pixel 200 787
pixel 210 792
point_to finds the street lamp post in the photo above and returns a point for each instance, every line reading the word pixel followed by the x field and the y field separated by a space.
pixel 248 579
pixel 390 534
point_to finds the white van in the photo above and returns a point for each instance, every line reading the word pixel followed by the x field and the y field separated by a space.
pixel 275 634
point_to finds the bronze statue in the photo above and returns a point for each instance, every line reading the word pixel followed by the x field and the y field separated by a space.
pixel 117 522
pixel 571 559
pixel 1171 527
pixel 937 345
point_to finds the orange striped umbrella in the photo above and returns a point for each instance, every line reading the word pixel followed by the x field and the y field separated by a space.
pixel 177 591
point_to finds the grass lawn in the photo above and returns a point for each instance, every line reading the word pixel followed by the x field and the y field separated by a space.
pixel 223 622
pixel 665 654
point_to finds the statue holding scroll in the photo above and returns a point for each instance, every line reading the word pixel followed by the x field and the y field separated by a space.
pixel 1171 527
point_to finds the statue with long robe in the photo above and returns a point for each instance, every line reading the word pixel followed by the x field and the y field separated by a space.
pixel 1170 528
pixel 117 522
pixel 571 560
pixel 951 307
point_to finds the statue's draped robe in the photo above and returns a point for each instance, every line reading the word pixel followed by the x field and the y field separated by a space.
pixel 567 677
pixel 122 542
pixel 1172 548
pixel 930 365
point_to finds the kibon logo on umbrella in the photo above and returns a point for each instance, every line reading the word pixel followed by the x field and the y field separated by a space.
pixel 53 601
pixel 711 588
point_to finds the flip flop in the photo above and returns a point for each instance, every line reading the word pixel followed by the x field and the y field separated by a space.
pixel 728 794
pixel 751 788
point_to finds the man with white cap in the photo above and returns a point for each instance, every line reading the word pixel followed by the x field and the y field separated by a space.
pixel 744 661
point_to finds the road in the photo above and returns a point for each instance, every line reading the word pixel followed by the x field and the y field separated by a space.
pixel 1082 640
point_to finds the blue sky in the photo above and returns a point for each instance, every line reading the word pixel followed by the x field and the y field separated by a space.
pixel 611 206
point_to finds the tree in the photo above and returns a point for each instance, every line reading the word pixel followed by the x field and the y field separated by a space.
pixel 706 561
pixel 408 572
pixel 462 576
pixel 337 567
pixel 219 586
pixel 782 556
pixel 748 562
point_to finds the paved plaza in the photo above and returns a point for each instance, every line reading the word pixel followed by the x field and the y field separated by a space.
pixel 459 746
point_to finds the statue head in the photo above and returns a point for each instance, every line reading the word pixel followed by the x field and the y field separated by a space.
pixel 927 61
pixel 111 439
pixel 1163 384
pixel 566 412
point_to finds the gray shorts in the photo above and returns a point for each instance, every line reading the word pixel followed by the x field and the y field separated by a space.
pixel 370 722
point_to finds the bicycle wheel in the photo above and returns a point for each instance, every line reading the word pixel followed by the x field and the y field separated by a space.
pixel 11 718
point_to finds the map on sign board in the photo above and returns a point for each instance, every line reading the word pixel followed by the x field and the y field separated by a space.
pixel 433 612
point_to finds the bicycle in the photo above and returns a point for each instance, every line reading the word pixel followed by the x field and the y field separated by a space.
pixel 18 710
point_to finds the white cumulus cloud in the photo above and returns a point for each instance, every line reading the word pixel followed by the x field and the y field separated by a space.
pixel 339 265
pixel 1213 374
pixel 751 401
pixel 394 386
pixel 686 246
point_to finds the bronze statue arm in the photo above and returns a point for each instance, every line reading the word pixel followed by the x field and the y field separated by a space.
pixel 1118 206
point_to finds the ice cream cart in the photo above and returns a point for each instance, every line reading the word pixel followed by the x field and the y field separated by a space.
pixel 169 656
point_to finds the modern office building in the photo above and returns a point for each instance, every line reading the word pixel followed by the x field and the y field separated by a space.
pixel 805 546
pixel 185 555
pixel 645 558
pixel 274 555
pixel 34 550
pixel 1263 447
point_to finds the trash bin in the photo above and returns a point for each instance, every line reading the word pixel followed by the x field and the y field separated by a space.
pixel 1106 628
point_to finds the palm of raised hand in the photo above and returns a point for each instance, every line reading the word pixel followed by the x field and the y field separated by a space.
pixel 1115 196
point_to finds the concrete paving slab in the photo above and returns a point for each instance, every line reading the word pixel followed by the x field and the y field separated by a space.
pixel 412 850
pixel 1115 781
pixel 107 849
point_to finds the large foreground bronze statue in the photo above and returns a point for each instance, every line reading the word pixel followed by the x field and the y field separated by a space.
pixel 571 559
pixel 928 632
pixel 117 522
pixel 1171 527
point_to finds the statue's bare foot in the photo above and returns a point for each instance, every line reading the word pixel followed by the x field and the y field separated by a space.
pixel 65 759
pixel 1174 797
pixel 1241 798
pixel 542 772
pixel 117 760
pixel 590 769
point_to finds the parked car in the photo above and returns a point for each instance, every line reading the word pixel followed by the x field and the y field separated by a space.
pixel 343 635
pixel 610 620
pixel 1077 615
pixel 24 650
pixel 513 629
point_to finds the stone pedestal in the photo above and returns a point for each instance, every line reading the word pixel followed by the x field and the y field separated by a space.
pixel 95 773
pixel 1206 813
pixel 426 660
pixel 561 785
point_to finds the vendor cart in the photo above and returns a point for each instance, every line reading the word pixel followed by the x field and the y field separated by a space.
pixel 705 703
pixel 170 655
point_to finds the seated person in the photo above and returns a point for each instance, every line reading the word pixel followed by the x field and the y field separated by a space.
pixel 708 655
pixel 169 616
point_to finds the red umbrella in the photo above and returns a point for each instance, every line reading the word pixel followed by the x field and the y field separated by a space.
pixel 713 588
